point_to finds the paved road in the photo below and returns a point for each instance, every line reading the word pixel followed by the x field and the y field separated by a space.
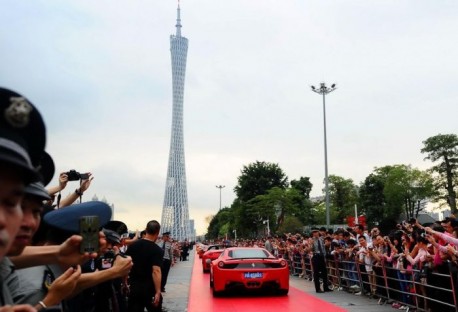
pixel 177 288
pixel 349 302
pixel 177 292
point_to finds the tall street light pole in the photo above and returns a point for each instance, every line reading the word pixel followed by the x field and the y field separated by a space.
pixel 323 90
pixel 220 188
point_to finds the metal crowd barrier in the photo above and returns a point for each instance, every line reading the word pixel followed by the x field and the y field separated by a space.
pixel 430 291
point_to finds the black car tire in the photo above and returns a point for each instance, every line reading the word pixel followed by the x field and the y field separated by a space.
pixel 216 293
pixel 283 292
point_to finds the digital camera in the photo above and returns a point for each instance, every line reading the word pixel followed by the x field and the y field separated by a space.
pixel 74 175
pixel 106 260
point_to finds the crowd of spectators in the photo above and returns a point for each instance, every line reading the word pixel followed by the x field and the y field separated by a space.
pixel 412 266
pixel 43 267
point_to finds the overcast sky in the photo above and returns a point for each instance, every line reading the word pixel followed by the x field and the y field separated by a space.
pixel 100 73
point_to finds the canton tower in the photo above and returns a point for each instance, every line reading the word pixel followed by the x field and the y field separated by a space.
pixel 175 214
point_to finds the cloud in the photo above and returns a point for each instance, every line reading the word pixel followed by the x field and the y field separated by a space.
pixel 100 74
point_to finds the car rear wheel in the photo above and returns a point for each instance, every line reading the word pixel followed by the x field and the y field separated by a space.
pixel 283 292
pixel 216 293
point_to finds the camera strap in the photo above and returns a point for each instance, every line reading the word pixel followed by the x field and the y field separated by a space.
pixel 81 193
pixel 58 200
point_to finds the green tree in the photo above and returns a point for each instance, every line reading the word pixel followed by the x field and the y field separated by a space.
pixel 291 225
pixel 305 212
pixel 406 187
pixel 319 213
pixel 224 230
pixel 303 185
pixel 244 220
pixel 213 228
pixel 275 206
pixel 257 178
pixel 343 197
pixel 372 199
pixel 443 150
pixel 220 224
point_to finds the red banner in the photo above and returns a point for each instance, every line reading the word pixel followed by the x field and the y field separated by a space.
pixel 351 220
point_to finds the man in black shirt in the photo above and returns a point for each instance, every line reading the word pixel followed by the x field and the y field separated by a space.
pixel 185 250
pixel 145 276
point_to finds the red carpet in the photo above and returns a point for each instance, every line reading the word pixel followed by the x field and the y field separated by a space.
pixel 201 298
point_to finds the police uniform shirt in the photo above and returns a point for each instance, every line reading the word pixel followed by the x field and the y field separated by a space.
pixel 318 246
pixel 34 283
pixel 268 246
pixel 8 281
pixel 167 247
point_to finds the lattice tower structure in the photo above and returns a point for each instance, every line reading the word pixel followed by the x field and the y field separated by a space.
pixel 175 213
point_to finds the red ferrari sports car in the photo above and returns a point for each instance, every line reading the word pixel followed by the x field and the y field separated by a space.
pixel 201 249
pixel 213 252
pixel 248 268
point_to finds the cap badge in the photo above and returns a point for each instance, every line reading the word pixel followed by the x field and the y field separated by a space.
pixel 18 113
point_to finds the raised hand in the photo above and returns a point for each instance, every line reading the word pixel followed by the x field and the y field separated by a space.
pixel 122 264
pixel 69 251
pixel 63 286
pixel 63 179
pixel 431 239
pixel 86 183
pixel 18 308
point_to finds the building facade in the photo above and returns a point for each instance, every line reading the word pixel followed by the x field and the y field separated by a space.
pixel 175 213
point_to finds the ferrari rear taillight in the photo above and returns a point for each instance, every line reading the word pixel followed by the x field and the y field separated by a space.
pixel 283 263
pixel 221 264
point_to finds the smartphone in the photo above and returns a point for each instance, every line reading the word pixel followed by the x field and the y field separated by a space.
pixel 89 230
pixel 84 176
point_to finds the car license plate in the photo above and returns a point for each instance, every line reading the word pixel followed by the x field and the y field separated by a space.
pixel 253 275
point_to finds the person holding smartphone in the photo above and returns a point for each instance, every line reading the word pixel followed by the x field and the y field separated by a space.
pixel 22 143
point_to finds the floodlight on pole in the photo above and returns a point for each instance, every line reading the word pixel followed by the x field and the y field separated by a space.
pixel 323 90
pixel 220 188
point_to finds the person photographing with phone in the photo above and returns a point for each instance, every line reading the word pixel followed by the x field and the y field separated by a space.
pixel 108 294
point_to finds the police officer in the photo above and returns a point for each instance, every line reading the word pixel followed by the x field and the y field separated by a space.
pixel 61 224
pixel 57 290
pixel 168 260
pixel 318 262
pixel 108 294
pixel 22 143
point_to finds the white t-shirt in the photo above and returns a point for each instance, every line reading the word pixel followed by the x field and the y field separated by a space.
pixel 365 258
